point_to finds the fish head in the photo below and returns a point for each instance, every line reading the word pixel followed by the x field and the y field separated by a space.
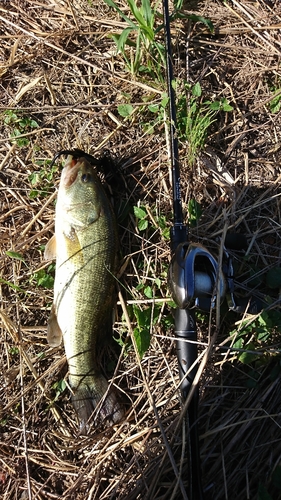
pixel 80 193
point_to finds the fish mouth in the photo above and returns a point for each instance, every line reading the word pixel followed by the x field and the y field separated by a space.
pixel 71 169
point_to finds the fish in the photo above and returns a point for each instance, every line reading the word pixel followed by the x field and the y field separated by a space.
pixel 85 247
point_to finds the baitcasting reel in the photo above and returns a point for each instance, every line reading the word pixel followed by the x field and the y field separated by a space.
pixel 195 281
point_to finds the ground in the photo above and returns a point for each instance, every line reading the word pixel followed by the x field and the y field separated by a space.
pixel 63 86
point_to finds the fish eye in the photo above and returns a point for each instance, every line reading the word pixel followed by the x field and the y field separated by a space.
pixel 86 177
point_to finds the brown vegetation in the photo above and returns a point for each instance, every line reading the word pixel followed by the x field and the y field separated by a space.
pixel 59 68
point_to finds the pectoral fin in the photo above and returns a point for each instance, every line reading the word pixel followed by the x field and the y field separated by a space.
pixel 54 333
pixel 51 249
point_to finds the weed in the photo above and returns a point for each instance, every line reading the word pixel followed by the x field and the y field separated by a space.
pixel 275 104
pixel 141 214
pixel 59 388
pixel 142 330
pixel 194 117
pixel 254 335
pixel 158 221
pixel 44 277
pixel 194 212
pixel 119 338
pixel 19 125
pixel 125 110
pixel 148 290
pixel 163 226
pixel 14 255
pixel 11 285
pixel 142 51
pixel 153 114
pixel 13 351
pixel 42 180
pixel 158 110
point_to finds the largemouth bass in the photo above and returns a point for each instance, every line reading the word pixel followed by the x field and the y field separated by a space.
pixel 85 248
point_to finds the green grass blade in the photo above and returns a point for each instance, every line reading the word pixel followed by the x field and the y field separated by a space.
pixel 112 4
pixel 122 39
pixel 148 13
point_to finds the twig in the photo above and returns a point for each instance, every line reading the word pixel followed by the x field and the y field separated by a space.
pixel 77 58
pixel 10 151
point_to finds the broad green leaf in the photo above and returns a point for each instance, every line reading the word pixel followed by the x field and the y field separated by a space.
pixel 125 110
pixel 142 317
pixel 154 108
pixel 164 101
pixel 142 338
pixel 196 90
pixel 158 282
pixel 214 105
pixel 248 357
pixel 263 335
pixel 148 292
pixel 43 279
pixel 33 193
pixel 142 225
pixel 33 124
pixel 34 178
pixel 225 105
pixel 275 104
pixel 238 344
pixel 140 213
pixel 148 128
pixel 59 386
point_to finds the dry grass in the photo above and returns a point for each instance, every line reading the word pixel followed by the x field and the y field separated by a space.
pixel 59 67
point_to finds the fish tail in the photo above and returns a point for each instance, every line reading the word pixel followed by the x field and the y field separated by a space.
pixel 87 397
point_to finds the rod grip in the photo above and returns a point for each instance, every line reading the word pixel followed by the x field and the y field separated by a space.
pixel 185 330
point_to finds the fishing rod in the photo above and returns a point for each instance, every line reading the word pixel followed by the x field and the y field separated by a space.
pixel 185 324
pixel 195 281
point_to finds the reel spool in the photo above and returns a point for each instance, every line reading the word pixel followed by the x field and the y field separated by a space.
pixel 193 278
